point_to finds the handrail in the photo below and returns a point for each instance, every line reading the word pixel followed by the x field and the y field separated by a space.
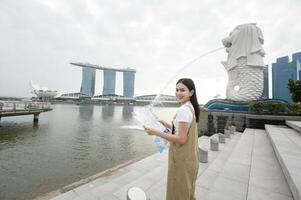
pixel 23 105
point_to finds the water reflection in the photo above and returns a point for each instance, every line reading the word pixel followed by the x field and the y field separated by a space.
pixel 86 112
pixel 81 144
pixel 107 111
pixel 12 133
pixel 127 111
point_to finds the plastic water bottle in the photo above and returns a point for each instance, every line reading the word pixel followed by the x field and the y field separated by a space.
pixel 148 116
pixel 161 143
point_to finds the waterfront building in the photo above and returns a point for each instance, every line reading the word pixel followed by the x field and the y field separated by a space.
pixel 128 83
pixel 76 95
pixel 297 57
pixel 265 93
pixel 283 70
pixel 42 92
pixel 109 82
pixel 151 97
pixel 88 81
pixel 109 78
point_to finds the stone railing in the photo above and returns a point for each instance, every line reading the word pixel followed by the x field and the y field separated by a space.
pixel 23 105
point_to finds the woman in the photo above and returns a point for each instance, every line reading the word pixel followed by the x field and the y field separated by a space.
pixel 183 161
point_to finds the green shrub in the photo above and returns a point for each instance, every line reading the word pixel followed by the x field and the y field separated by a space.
pixel 270 108
pixel 294 109
pixel 276 108
pixel 295 89
pixel 256 107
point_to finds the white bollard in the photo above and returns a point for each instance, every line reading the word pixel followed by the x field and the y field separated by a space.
pixel 232 129
pixel 221 138
pixel 203 155
pixel 135 193
pixel 227 133
pixel 213 145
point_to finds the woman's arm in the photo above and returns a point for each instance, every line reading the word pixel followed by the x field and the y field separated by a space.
pixel 181 138
pixel 165 124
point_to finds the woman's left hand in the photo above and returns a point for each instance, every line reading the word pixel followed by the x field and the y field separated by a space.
pixel 149 130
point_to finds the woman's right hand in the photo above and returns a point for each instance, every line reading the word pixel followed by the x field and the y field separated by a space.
pixel 163 122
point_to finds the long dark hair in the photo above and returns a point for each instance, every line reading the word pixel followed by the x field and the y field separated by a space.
pixel 193 99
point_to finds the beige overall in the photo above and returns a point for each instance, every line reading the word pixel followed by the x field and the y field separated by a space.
pixel 183 167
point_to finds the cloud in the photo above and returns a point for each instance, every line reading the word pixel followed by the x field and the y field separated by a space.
pixel 157 38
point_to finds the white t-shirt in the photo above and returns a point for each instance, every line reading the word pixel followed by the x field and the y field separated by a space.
pixel 184 114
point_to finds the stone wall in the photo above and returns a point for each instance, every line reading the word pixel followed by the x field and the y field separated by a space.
pixel 212 122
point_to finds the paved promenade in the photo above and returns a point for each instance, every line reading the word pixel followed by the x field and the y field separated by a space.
pixel 245 167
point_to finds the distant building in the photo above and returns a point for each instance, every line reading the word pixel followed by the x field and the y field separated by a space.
pixel 283 70
pixel 297 57
pixel 128 83
pixel 75 95
pixel 109 80
pixel 42 92
pixel 265 93
pixel 152 97
pixel 88 81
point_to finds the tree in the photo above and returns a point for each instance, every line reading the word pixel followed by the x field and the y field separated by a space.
pixel 295 89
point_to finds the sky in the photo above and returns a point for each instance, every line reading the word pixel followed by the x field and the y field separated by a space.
pixel 38 40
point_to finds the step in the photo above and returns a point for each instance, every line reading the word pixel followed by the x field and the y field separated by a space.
pixel 267 180
pixel 287 146
pixel 246 175
pixel 294 125
pixel 230 181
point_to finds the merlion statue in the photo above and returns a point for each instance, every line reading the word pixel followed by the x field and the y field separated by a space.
pixel 245 63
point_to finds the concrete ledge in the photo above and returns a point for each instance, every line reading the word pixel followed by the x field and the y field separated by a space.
pixel 294 125
pixel 273 117
pixel 287 147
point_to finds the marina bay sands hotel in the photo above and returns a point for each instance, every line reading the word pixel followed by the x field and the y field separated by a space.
pixel 109 80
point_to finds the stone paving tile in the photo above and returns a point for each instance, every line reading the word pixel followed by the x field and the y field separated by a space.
pixel 66 196
pixel 137 167
pixel 157 191
pixel 264 162
pixel 108 197
pixel 127 178
pixel 270 181
pixel 236 171
pixel 201 193
pixel 207 179
pixel 257 193
pixel 85 196
pixel 202 168
pixel 228 189
pixel 143 183
pixel 105 189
